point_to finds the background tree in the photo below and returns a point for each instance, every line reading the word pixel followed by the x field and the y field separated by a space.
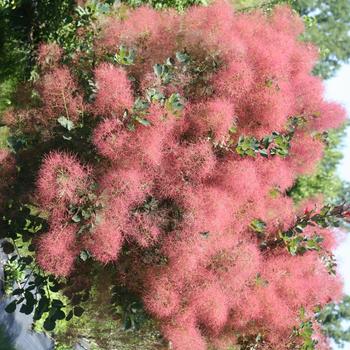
pixel 324 181
pixel 328 26
pixel 334 319
pixel 330 31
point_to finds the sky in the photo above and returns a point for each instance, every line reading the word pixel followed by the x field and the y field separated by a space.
pixel 338 89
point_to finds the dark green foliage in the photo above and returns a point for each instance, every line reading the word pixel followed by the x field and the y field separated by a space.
pixel 22 27
pixel 125 56
pixel 32 291
pixel 298 244
pixel 7 88
pixel 129 307
pixel 258 226
pixel 20 221
pixel 174 103
pixel 270 145
pixel 113 318
pixel 35 292
pixel 305 333
pixel 165 73
pixel 178 4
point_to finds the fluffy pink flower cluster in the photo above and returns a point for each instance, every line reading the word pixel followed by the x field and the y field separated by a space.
pixel 60 95
pixel 172 188
pixel 61 178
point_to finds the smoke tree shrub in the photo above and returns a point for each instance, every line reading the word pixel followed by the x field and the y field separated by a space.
pixel 169 153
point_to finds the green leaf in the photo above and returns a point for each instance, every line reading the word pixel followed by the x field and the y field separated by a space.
pixel 103 8
pixel 55 288
pixel 49 325
pixel 58 315
pixel 26 309
pixel 27 260
pixel 169 61
pixel 174 103
pixel 7 247
pixel 42 307
pixel 125 56
pixel 84 255
pixel 232 129
pixel 76 218
pixel 66 123
pixel 131 127
pixel 69 316
pixel 299 229
pixel 140 105
pixel 57 303
pixel 266 141
pixel 258 226
pixel 264 153
pixel 17 142
pixel 247 145
pixel 29 297
pixel 155 95
pixel 182 57
pixel 78 311
pixel 11 307
pixel 18 291
pixel 158 70
pixel 143 121
pixel 39 279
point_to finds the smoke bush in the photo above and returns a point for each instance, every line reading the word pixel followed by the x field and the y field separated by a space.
pixel 198 125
